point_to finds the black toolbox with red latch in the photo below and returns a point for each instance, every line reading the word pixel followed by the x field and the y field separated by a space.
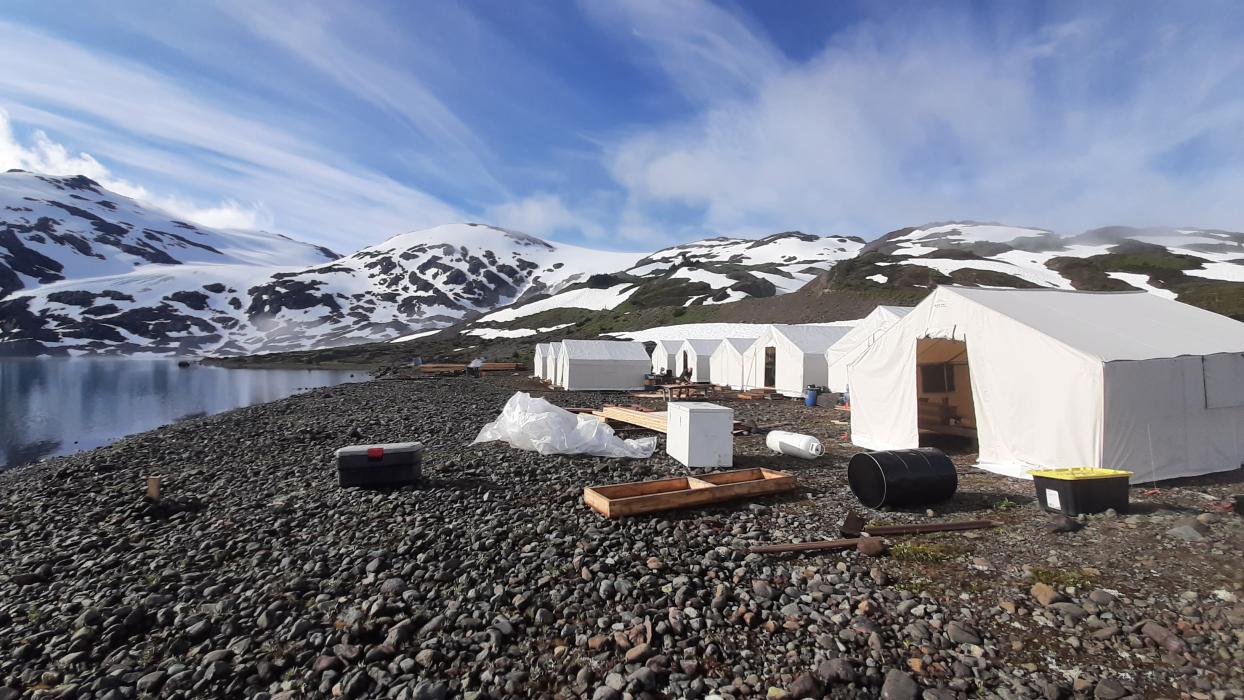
pixel 392 464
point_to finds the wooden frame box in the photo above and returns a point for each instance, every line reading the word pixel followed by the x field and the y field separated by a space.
pixel 639 497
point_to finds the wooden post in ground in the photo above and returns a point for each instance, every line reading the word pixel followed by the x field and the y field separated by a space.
pixel 153 487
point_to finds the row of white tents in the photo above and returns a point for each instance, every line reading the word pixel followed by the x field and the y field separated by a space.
pixel 1041 378
pixel 787 358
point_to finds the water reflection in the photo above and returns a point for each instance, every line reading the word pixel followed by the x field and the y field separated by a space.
pixel 56 406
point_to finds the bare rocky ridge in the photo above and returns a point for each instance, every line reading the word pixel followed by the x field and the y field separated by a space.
pixel 257 577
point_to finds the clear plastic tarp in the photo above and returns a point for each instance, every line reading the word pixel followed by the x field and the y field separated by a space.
pixel 528 423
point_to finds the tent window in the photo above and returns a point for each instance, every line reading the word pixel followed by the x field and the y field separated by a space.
pixel 1224 380
pixel 937 379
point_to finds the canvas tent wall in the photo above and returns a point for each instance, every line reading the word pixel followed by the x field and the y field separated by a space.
pixel 553 364
pixel 664 356
pixel 1121 380
pixel 850 346
pixel 695 354
pixel 602 364
pixel 539 360
pixel 725 365
pixel 789 358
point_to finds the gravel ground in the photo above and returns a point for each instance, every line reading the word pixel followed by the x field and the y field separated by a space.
pixel 257 577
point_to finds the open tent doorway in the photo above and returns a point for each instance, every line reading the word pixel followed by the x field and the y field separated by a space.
pixel 944 401
pixel 685 363
pixel 770 366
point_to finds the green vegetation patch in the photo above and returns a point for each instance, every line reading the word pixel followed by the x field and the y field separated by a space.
pixel 1064 579
pixel 926 552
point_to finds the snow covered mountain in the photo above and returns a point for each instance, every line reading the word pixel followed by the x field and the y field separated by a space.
pixel 706 272
pixel 87 271
pixel 1202 267
pixel 83 270
pixel 58 228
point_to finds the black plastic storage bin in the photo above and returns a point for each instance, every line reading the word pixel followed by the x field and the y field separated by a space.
pixel 902 478
pixel 1082 490
pixel 392 464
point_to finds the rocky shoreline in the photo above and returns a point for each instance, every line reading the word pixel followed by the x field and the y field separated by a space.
pixel 257 577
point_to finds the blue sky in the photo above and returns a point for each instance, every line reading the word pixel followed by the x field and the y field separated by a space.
pixel 633 125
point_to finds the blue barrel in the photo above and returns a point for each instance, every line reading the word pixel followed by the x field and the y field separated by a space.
pixel 810 399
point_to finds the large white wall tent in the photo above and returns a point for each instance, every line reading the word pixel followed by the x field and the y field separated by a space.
pixel 602 364
pixel 664 356
pixel 789 358
pixel 726 362
pixel 539 360
pixel 695 354
pixel 1052 378
pixel 857 341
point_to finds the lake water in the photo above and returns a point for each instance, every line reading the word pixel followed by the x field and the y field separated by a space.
pixel 58 406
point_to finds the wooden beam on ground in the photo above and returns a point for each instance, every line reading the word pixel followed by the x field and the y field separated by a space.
pixel 854 525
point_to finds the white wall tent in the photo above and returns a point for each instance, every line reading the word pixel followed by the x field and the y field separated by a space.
pixel 602 364
pixel 664 356
pixel 1052 378
pixel 726 362
pixel 789 358
pixel 539 360
pixel 850 346
pixel 553 364
pixel 695 354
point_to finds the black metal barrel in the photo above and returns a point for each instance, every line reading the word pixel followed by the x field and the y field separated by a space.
pixel 902 478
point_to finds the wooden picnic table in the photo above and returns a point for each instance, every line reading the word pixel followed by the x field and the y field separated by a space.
pixel 683 391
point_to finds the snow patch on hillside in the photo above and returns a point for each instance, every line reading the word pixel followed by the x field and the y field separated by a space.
pixel 492 333
pixel 1227 271
pixel 1142 282
pixel 584 298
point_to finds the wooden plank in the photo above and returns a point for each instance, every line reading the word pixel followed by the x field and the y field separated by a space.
pixel 636 498
pixel 631 489
pixel 652 420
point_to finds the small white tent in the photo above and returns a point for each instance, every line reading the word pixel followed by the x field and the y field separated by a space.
pixel 539 360
pixel 1052 378
pixel 695 354
pixel 602 364
pixel 725 366
pixel 664 356
pixel 789 358
pixel 859 339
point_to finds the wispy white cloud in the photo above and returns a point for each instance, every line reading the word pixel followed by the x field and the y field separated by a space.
pixel 937 116
pixel 313 191
pixel 705 50
pixel 544 214
pixel 43 155
pixel 346 124
pixel 316 35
